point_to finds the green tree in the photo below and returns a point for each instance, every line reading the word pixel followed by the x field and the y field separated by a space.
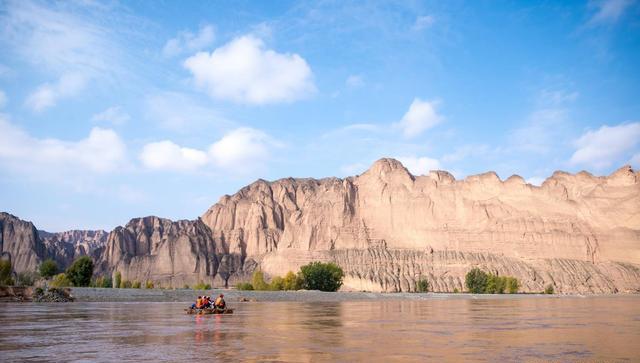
pixel 322 276
pixel 148 284
pixel 257 281
pixel 117 280
pixel 60 280
pixel 136 285
pixel 292 281
pixel 549 290
pixel 81 271
pixel 201 286
pixel 48 268
pixel 26 278
pixel 277 284
pixel 476 281
pixel 512 285
pixel 422 285
pixel 5 273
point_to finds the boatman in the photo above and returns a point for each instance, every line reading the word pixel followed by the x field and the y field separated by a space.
pixel 220 303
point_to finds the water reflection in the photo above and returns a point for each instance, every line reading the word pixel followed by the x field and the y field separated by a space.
pixel 557 329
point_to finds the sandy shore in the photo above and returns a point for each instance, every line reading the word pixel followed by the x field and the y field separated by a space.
pixel 188 295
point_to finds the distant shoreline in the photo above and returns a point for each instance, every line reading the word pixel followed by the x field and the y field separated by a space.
pixel 85 294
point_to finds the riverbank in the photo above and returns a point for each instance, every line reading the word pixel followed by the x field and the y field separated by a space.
pixel 187 295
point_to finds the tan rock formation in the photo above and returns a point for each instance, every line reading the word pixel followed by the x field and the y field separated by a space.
pixel 580 232
pixel 19 242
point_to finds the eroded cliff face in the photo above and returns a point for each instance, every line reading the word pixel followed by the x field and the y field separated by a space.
pixel 65 247
pixel 579 232
pixel 19 242
pixel 170 253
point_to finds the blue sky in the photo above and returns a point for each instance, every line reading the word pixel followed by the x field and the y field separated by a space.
pixel 114 110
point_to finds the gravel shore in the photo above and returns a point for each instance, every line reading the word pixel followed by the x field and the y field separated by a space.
pixel 188 295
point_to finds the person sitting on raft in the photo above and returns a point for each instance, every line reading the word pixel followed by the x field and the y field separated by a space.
pixel 220 304
pixel 198 303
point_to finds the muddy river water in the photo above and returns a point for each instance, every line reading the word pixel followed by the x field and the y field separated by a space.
pixel 471 329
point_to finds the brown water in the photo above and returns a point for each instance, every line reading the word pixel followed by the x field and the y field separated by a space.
pixel 521 329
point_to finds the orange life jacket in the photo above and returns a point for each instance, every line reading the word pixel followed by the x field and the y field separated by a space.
pixel 199 303
pixel 219 302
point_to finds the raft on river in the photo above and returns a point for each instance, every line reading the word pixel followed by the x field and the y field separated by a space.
pixel 208 311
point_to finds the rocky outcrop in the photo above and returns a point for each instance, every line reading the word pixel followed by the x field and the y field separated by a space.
pixel 578 232
pixel 19 242
pixel 387 228
pixel 170 254
pixel 66 246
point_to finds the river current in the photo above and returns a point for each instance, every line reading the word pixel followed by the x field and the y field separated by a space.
pixel 470 329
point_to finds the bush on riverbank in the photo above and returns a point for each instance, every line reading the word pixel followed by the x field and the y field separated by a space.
pixel 27 278
pixel 422 285
pixel 245 286
pixel 81 271
pixel 257 281
pixel 480 282
pixel 549 290
pixel 117 279
pixel 201 286
pixel 102 281
pixel 5 273
pixel 136 285
pixel 148 284
pixel 321 276
pixel 60 280
pixel 48 268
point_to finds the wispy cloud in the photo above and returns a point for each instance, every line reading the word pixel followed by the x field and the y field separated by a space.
pixel 419 165
pixel 607 145
pixel 114 115
pixel 608 11
pixel 423 22
pixel 180 112
pixel 47 95
pixel 186 41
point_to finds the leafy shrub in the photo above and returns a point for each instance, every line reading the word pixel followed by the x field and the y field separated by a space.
pixel 27 278
pixel 80 272
pixel 48 268
pixel 257 281
pixel 549 290
pixel 277 284
pixel 5 273
pixel 496 284
pixel 422 285
pixel 476 281
pixel 117 280
pixel 125 284
pixel 185 286
pixel 321 276
pixel 292 281
pixel 244 286
pixel 136 284
pixel 513 285
pixel 39 291
pixel 201 286
pixel 455 290
pixel 148 284
pixel 60 280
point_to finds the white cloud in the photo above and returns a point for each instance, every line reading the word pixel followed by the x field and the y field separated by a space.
pixel 239 150
pixel 354 81
pixel 240 147
pixel 419 165
pixel 607 145
pixel 608 11
pixel 165 155
pixel 421 116
pixel 423 22
pixel 187 41
pixel 244 71
pixel 535 180
pixel 542 131
pixel 180 112
pixel 47 95
pixel 114 115
pixel 102 151
pixel 3 99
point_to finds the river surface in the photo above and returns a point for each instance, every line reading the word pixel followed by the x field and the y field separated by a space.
pixel 471 329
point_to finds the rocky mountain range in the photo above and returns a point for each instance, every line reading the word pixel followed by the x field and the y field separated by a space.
pixel 387 229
